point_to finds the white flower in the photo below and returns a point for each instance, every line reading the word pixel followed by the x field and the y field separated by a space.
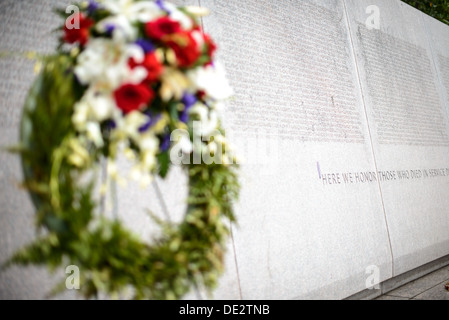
pixel 79 156
pixel 199 38
pixel 148 142
pixel 128 126
pixel 211 148
pixel 94 133
pixel 179 16
pixel 124 14
pixel 208 119
pixel 149 147
pixel 148 161
pixel 182 141
pixel 95 106
pixel 80 115
pixel 104 64
pixel 212 80
pixel 174 83
pixel 112 169
pixel 102 107
pixel 129 154
pixel 198 11
pixel 140 174
pixel 186 145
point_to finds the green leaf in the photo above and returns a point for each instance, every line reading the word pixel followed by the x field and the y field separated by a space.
pixel 164 163
pixel 174 113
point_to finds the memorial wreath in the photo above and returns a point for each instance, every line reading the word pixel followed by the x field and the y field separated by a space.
pixel 129 77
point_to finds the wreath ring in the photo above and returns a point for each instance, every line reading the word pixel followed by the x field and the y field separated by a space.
pixel 56 157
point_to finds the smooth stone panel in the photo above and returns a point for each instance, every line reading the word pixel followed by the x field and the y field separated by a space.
pixel 409 128
pixel 298 121
pixel 24 26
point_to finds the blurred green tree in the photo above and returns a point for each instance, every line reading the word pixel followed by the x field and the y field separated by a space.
pixel 439 9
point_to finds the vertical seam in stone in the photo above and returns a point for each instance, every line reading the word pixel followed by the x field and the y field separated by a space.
pixel 201 18
pixel 161 199
pixel 103 183
pixel 236 263
pixel 369 132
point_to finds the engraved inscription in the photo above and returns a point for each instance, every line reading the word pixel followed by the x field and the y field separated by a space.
pixel 25 26
pixel 444 70
pixel 406 104
pixel 288 63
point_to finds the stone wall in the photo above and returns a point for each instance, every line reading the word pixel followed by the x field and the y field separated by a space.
pixel 343 130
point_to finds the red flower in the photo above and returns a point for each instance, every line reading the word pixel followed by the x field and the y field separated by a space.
pixel 211 46
pixel 185 48
pixel 151 64
pixel 161 27
pixel 81 34
pixel 201 94
pixel 130 97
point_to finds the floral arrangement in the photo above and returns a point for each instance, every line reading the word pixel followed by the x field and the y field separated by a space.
pixel 138 78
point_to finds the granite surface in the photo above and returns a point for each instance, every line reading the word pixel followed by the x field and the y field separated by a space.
pixel 344 134
pixel 406 110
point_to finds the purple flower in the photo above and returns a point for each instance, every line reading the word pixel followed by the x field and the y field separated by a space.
pixel 165 143
pixel 151 122
pixel 145 127
pixel 93 6
pixel 161 5
pixel 184 116
pixel 188 100
pixel 146 45
pixel 110 124
pixel 110 29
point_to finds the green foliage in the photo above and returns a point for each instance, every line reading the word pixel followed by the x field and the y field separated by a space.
pixel 110 257
pixel 439 9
